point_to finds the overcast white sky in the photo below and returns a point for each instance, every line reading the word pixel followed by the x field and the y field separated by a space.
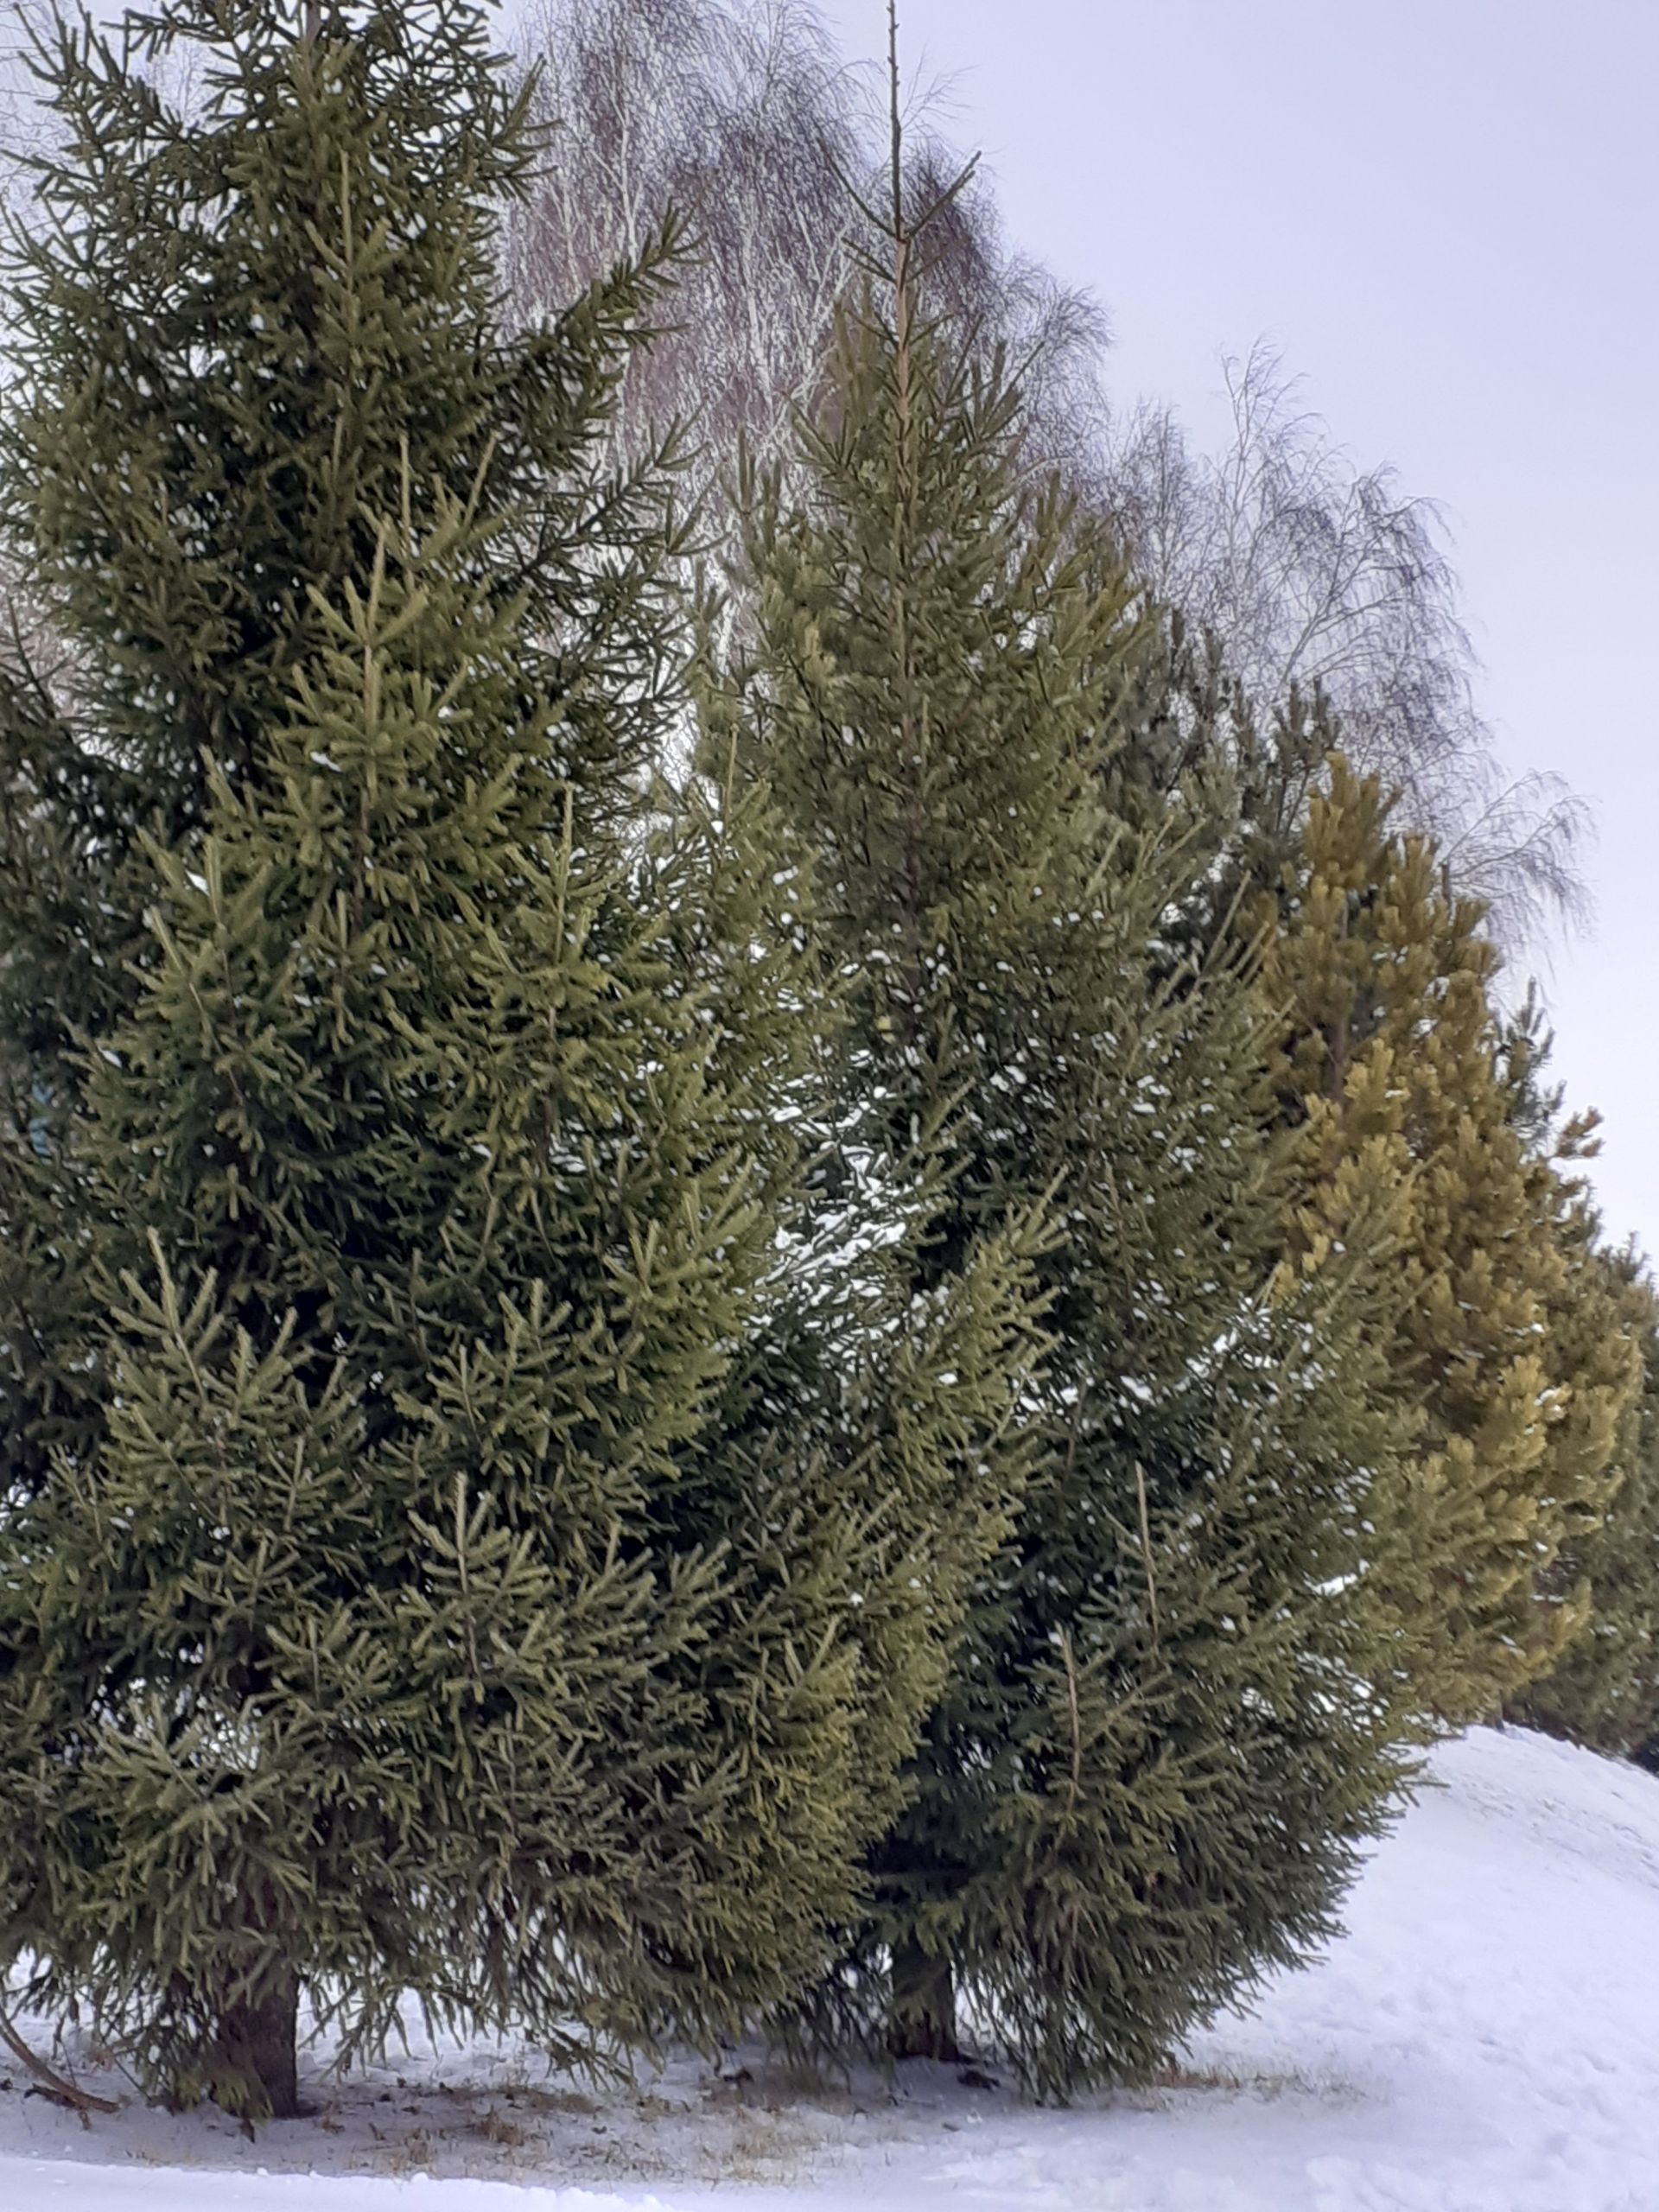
pixel 1446 214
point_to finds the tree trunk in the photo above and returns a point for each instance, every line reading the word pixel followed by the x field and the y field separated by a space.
pixel 255 2053
pixel 922 2017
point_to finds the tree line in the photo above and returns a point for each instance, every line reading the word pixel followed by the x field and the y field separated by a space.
pixel 773 1256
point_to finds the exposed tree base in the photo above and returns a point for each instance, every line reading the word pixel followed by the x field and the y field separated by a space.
pixel 913 2038
pixel 922 2020
pixel 254 2061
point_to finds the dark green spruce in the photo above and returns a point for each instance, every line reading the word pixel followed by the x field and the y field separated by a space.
pixel 480 1521
pixel 1148 1775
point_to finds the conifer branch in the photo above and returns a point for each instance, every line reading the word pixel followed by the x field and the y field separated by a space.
pixel 1145 1548
pixel 1075 1711
pixel 895 132
pixel 911 766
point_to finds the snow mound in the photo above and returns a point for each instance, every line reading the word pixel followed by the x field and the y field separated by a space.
pixel 1484 2038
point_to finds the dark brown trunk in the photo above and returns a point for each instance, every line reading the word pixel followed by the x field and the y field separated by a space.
pixel 922 2018
pixel 255 2053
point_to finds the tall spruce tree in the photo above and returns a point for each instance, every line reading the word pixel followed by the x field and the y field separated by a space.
pixel 1504 1330
pixel 405 1583
pixel 1146 1778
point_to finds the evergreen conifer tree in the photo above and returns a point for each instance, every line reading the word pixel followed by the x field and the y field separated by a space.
pixel 1146 1775
pixel 1604 1690
pixel 405 1583
pixel 1502 1330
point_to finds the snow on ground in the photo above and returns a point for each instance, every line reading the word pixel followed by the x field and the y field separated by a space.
pixel 1486 2038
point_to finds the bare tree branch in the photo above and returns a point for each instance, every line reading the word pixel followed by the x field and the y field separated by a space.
pixel 1318 576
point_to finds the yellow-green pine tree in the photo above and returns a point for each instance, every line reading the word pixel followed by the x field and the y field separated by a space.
pixel 1396 1064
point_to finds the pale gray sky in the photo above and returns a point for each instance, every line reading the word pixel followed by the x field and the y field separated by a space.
pixel 1446 214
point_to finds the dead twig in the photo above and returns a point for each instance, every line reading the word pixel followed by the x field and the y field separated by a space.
pixel 55 2084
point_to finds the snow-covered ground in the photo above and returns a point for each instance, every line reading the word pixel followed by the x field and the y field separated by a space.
pixel 1484 2039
